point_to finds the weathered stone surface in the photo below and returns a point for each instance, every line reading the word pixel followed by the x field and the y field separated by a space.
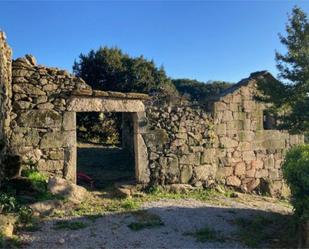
pixel 244 146
pixel 7 223
pixel 45 106
pixel 209 156
pixel 240 169
pixel 227 117
pixel 269 162
pixel 141 159
pixel 31 90
pixel 56 155
pixel 249 156
pixel 204 172
pixel 58 139
pixel 191 159
pixel 228 171
pixel 40 118
pixel 69 121
pixel 250 184
pixel 105 105
pixel 257 164
pixel 220 106
pixel 221 129
pixel 246 136
pixel 228 142
pixel 50 87
pixel 68 190
pixel 172 166
pixel 261 173
pixel 186 174
pixel 50 165
pixel 31 59
pixel 22 105
pixel 70 164
pixel 233 181
pixel 157 137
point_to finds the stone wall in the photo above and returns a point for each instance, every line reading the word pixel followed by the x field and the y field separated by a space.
pixel 43 117
pixel 43 130
pixel 174 141
pixel 5 98
pixel 179 140
pixel 250 157
pixel 221 142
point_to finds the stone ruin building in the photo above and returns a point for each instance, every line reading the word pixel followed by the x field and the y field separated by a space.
pixel 225 140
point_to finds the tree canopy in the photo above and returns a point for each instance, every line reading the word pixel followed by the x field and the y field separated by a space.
pixel 199 91
pixel 290 97
pixel 111 69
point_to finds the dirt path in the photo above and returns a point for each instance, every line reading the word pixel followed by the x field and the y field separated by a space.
pixel 180 220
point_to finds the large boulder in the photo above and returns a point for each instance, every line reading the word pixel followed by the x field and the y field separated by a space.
pixel 67 189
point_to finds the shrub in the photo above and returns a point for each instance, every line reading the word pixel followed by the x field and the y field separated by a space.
pixel 7 203
pixel 38 179
pixel 296 174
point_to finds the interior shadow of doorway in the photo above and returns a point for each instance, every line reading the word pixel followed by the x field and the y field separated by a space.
pixel 105 165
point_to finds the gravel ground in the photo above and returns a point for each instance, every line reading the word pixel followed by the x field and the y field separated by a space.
pixel 179 217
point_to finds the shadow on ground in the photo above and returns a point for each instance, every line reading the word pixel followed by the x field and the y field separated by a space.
pixel 169 224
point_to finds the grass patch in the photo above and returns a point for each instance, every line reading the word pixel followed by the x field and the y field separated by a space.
pixel 39 183
pixel 38 180
pixel 104 202
pixel 206 234
pixel 69 225
pixel 129 204
pixel 96 206
pixel 145 220
pixel 209 195
pixel 272 231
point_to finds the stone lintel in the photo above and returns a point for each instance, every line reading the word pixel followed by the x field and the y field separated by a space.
pixel 96 104
pixel 110 94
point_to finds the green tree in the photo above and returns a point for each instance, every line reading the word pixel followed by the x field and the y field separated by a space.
pixel 199 91
pixel 290 97
pixel 110 69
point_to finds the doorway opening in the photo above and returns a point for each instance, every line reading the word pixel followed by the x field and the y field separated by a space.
pixel 105 149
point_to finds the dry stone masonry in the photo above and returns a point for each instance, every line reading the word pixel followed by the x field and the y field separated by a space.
pixel 250 156
pixel 221 141
pixel 5 96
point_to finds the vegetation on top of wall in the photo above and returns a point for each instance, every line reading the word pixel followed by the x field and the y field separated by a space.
pixel 296 173
pixel 199 91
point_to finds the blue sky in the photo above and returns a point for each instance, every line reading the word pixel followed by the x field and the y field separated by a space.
pixel 203 40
